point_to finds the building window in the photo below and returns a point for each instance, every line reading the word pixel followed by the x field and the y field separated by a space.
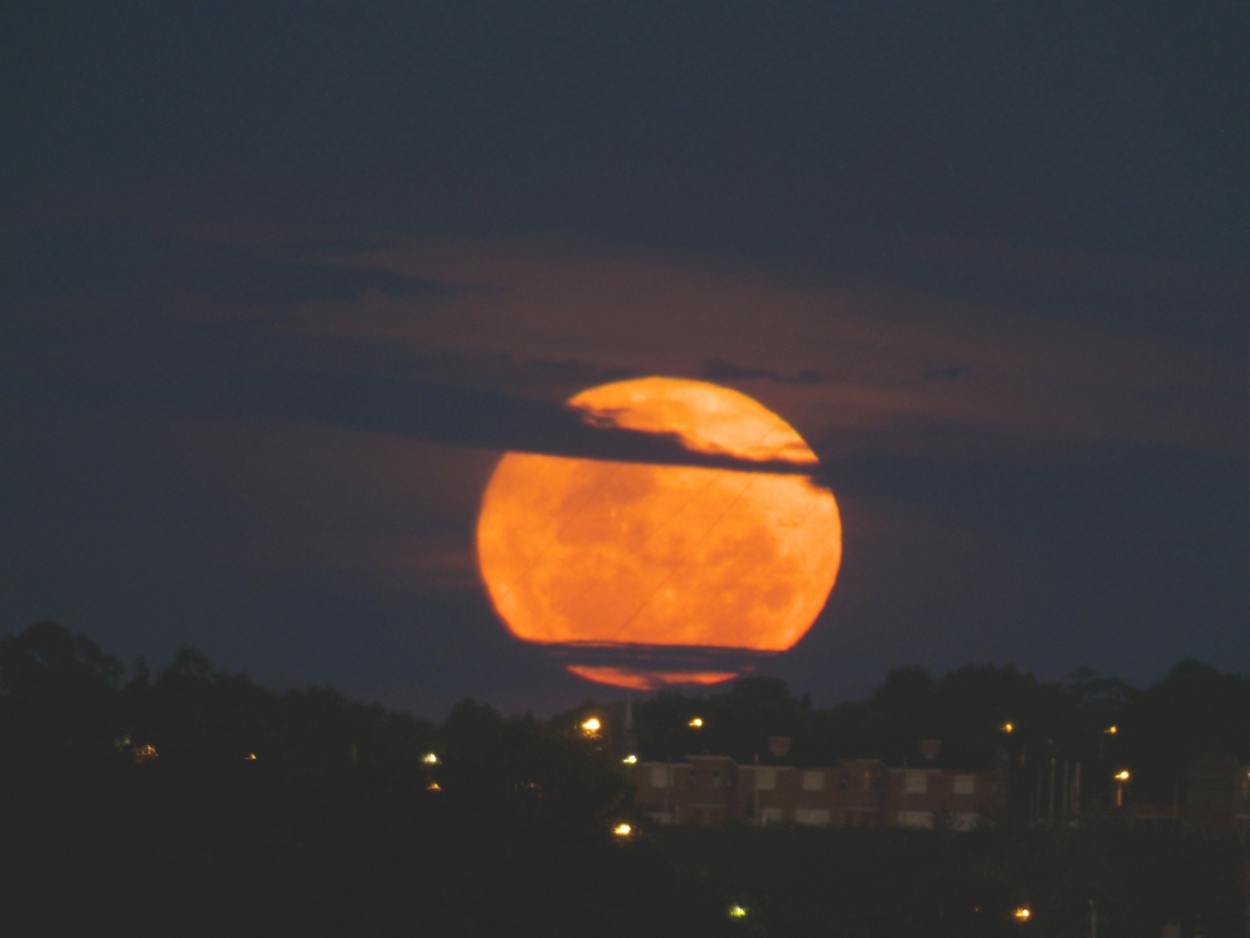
pixel 867 780
pixel 765 778
pixel 965 785
pixel 813 781
pixel 915 783
pixel 660 777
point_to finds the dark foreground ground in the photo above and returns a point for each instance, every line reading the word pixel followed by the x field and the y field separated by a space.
pixel 801 881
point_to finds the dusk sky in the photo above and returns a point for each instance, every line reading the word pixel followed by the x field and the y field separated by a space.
pixel 281 282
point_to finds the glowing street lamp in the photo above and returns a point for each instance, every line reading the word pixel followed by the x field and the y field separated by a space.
pixel 591 728
pixel 430 758
pixel 1008 728
pixel 737 911
pixel 630 759
pixel 696 723
pixel 1111 730
pixel 1120 778
pixel 1022 913
pixel 622 831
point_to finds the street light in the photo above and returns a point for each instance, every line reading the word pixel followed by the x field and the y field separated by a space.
pixel 591 727
pixel 1121 777
pixel 696 723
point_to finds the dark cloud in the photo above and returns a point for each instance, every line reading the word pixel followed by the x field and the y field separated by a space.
pixel 1167 505
pixel 449 414
pixel 134 265
pixel 503 370
pixel 341 246
pixel 717 369
pixel 949 373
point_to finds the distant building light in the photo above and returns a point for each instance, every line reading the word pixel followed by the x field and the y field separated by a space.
pixel 737 911
pixel 145 753
pixel 430 758
pixel 250 757
pixel 433 786
pixel 1008 727
pixel 591 727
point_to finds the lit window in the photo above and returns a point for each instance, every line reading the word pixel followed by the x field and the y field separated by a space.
pixel 765 778
pixel 660 776
pixel 965 785
pixel 813 781
pixel 916 783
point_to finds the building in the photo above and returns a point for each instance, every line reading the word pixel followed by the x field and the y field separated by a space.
pixel 1218 796
pixel 709 789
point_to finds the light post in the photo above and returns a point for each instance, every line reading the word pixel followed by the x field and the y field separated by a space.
pixel 1120 778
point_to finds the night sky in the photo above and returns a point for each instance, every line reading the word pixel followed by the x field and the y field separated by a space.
pixel 280 283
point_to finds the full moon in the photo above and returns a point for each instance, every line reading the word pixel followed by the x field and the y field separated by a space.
pixel 646 575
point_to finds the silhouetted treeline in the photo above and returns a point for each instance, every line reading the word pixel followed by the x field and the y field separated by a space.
pixel 191 800
pixel 194 801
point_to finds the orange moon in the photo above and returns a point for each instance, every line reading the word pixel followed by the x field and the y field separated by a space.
pixel 668 566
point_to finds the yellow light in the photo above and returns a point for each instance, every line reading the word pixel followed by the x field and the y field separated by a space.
pixel 1122 775
pixel 696 722
pixel 434 786
pixel 250 757
pixel 622 830
pixel 630 759
pixel 1023 913
pixel 430 759
pixel 592 726
pixel 1111 730
pixel 737 911
pixel 1009 727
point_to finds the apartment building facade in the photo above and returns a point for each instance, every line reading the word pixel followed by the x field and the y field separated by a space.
pixel 709 789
